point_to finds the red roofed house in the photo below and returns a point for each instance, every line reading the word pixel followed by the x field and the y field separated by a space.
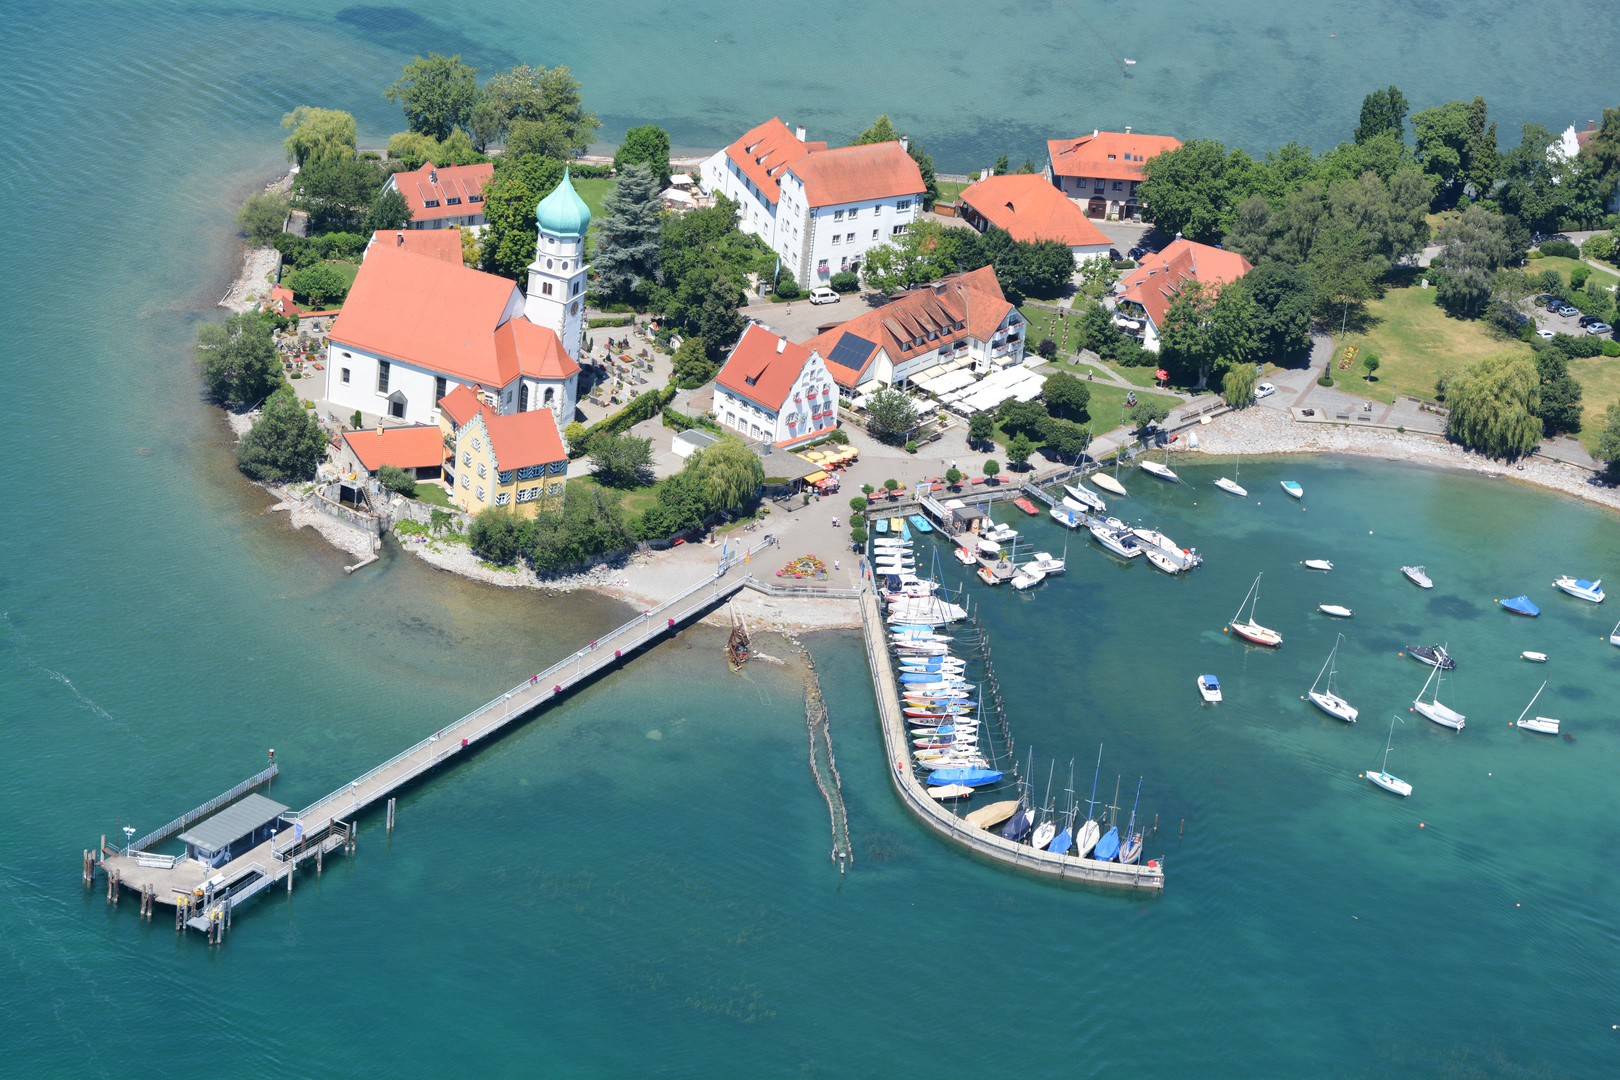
pixel 771 390
pixel 446 198
pixel 1147 292
pixel 959 321
pixel 516 460
pixel 441 244
pixel 1031 209
pixel 419 450
pixel 416 326
pixel 820 209
pixel 281 302
pixel 1102 170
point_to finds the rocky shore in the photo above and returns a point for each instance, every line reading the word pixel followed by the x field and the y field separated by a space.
pixel 259 266
pixel 1269 431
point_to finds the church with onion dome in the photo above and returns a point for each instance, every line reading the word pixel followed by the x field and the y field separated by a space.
pixel 418 324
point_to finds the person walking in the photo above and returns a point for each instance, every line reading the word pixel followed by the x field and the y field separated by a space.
pixel 835 521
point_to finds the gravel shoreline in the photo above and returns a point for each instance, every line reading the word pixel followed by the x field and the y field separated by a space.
pixel 1259 431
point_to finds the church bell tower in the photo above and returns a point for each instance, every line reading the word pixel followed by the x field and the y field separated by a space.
pixel 556 294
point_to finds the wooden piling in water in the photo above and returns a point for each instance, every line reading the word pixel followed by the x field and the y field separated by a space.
pixel 390 816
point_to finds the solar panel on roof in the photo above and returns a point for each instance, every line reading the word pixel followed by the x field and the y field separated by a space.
pixel 851 351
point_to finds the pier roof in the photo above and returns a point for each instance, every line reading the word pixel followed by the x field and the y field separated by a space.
pixel 233 822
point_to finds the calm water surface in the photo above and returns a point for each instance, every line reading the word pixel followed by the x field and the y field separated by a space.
pixel 585 899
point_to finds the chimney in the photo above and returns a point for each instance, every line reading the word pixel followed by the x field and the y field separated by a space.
pixel 1095 132
pixel 401 241
pixel 1127 129
pixel 798 133
pixel 433 176
pixel 984 174
pixel 905 143
pixel 781 343
pixel 1589 125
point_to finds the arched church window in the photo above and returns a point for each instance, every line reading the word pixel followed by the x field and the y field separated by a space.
pixel 550 395
pixel 548 264
pixel 523 398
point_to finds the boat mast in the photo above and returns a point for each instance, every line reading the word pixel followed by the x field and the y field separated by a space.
pixel 1325 664
pixel 1384 769
pixel 1114 806
pixel 1091 813
pixel 1527 708
pixel 1131 828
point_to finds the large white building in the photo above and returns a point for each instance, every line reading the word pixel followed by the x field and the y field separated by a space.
pixel 771 390
pixel 415 327
pixel 820 209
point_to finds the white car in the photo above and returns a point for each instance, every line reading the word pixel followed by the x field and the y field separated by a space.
pixel 1264 390
pixel 824 295
pixel 1545 334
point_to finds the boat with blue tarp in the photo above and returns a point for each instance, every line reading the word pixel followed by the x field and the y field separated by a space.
pixel 1521 605
pixel 967 777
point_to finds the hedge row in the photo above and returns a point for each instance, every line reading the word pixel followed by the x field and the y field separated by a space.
pixel 643 406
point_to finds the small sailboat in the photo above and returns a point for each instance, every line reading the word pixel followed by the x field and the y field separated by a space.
pixel 1248 628
pixel 1521 605
pixel 1163 472
pixel 1418 576
pixel 1085 841
pixel 1336 610
pixel 1109 483
pixel 1130 848
pixel 1293 488
pixel 1108 846
pixel 1232 485
pixel 1086 499
pixel 1581 588
pixel 1433 655
pixel 1210 687
pixel 1382 777
pixel 1064 840
pixel 1533 657
pixel 1614 635
pixel 1326 700
pixel 1319 564
pixel 1440 714
pixel 1544 724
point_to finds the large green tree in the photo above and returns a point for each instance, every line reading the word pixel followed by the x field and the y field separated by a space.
pixel 509 201
pixel 531 105
pixel 337 194
pixel 1456 145
pixel 1190 190
pixel 648 145
pixel 1474 247
pixel 317 285
pixel 1560 407
pixel 388 210
pixel 590 522
pixel 1284 297
pixel 890 414
pixel 1066 395
pixel 1493 404
pixel 621 460
pixel 262 216
pixel 626 256
pixel 285 444
pixel 318 135
pixel 726 473
pixel 238 358
pixel 437 94
pixel 1382 112
pixel 1608 443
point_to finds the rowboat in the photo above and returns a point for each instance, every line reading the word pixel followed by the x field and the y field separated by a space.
pixel 1581 588
pixel 1293 488
pixel 1521 605
pixel 1534 657
pixel 1107 483
pixel 1335 609
pixel 1418 576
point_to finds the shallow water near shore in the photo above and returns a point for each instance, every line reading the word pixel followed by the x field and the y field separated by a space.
pixel 638 881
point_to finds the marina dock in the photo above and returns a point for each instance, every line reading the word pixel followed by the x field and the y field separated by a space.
pixel 204 896
pixel 948 825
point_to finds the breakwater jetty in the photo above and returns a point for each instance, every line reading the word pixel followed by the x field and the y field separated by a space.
pixel 981 842
pixel 254 844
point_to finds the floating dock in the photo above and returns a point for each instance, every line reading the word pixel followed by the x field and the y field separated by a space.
pixel 947 824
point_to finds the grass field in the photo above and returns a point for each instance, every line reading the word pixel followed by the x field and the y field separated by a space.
pixel 1415 340
pixel 949 190
pixel 432 494
pixel 1599 377
pixel 1564 266
pixel 633 501
pixel 594 192
pixel 1104 410
pixel 347 269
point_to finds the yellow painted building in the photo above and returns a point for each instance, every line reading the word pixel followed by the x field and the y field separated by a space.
pixel 516 462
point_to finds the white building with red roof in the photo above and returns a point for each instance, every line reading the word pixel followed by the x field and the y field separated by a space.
pixel 1031 209
pixel 415 326
pixel 771 390
pixel 960 321
pixel 1147 292
pixel 820 209
pixel 446 198
pixel 1102 171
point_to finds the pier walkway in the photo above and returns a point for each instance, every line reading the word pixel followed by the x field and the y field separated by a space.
pixel 980 841
pixel 204 896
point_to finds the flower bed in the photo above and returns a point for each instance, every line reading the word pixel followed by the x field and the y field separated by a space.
pixel 804 566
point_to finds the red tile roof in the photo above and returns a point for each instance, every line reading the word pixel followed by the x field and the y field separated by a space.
pixel 443 244
pixel 756 370
pixel 403 447
pixel 445 317
pixel 464 183
pixel 461 404
pixel 281 302
pixel 974 300
pixel 765 151
pixel 1030 208
pixel 858 174
pixel 518 440
pixel 1107 154
pixel 1160 276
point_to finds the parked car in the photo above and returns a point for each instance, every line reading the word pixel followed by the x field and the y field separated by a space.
pixel 1598 329
pixel 1587 320
pixel 1264 390
pixel 1136 252
pixel 1545 334
pixel 1566 310
pixel 823 295
pixel 1113 253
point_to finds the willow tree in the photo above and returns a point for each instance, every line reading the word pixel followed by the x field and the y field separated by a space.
pixel 727 472
pixel 318 135
pixel 1493 403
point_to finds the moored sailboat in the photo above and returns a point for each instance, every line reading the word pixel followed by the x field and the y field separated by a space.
pixel 1326 700
pixel 1382 777
pixel 1440 714
pixel 1248 629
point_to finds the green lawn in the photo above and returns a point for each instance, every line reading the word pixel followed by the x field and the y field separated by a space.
pixel 1564 266
pixel 347 269
pixel 1106 405
pixel 1416 340
pixel 948 190
pixel 634 501
pixel 432 494
pixel 1599 377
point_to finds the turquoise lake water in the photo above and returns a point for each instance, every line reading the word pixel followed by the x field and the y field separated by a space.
pixel 583 899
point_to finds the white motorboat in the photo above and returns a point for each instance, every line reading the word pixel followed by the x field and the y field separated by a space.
pixel 965 557
pixel 1249 629
pixel 1544 724
pixel 1157 539
pixel 1582 589
pixel 1233 486
pixel 1119 541
pixel 1000 532
pixel 1078 507
pixel 1293 488
pixel 1162 561
pixel 1336 610
pixel 988 548
pixel 1533 657
pixel 1163 472
pixel 1382 777
pixel 1046 563
pixel 1440 714
pixel 1027 577
pixel 1085 500
pixel 1210 687
pixel 1418 576
pixel 1067 516
pixel 1318 564
pixel 1326 700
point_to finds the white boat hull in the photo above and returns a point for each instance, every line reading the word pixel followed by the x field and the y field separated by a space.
pixel 1544 724
pixel 1163 562
pixel 1335 706
pixel 1416 575
pixel 1336 610
pixel 1390 783
pixel 1090 833
pixel 1572 586
pixel 1081 499
pixel 1208 693
pixel 1441 715
pixel 1043 835
pixel 1233 486
pixel 1163 472
pixel 1318 564
pixel 1534 657
pixel 1260 635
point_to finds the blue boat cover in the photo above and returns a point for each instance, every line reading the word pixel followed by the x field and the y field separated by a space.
pixel 1061 843
pixel 1018 828
pixel 921 523
pixel 1107 847
pixel 1582 583
pixel 1521 604
pixel 1212 682
pixel 881 525
pixel 933 677
pixel 891 581
pixel 970 777
pixel 905 533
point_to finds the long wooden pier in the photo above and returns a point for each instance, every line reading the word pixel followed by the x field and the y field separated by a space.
pixel 948 825
pixel 204 897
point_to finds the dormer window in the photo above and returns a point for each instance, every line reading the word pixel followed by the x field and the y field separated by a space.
pixel 475 198
pixel 454 201
pixel 750 379
pixel 1110 157
pixel 430 202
